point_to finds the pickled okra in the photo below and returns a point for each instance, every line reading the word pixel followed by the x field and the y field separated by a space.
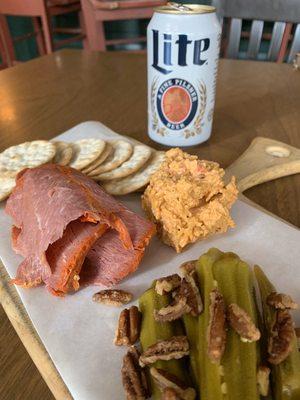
pixel 241 358
pixel 209 375
pixel 152 331
pixel 286 375
pixel 191 329
pixel 235 376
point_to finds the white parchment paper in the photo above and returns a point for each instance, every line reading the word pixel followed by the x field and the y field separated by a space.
pixel 78 333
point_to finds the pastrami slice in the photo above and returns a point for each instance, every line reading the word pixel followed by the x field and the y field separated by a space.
pixel 66 225
pixel 32 271
pixel 107 263
pixel 46 199
pixel 67 255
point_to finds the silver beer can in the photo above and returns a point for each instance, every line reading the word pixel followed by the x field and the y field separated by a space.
pixel 183 44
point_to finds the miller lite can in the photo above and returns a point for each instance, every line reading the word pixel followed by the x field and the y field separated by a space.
pixel 183 43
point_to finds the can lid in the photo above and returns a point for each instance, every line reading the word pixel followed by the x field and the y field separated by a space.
pixel 179 8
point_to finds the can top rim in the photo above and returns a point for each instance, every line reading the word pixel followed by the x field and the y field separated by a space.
pixel 189 9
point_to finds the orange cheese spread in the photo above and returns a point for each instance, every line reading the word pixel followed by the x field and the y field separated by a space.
pixel 188 200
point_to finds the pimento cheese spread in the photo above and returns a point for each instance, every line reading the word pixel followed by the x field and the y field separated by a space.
pixel 188 200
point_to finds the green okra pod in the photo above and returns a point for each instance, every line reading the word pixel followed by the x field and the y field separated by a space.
pixel 209 374
pixel 285 375
pixel 191 326
pixel 241 358
pixel 152 332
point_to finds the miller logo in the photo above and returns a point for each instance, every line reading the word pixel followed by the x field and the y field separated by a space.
pixel 200 47
pixel 177 103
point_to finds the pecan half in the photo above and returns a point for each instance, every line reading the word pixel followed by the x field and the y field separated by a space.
pixel 174 348
pixel 241 322
pixel 263 380
pixel 129 326
pixel 281 301
pixel 165 380
pixel 282 334
pixel 134 377
pixel 188 267
pixel 216 330
pixel 192 294
pixel 112 297
pixel 173 311
pixel 167 284
pixel 187 299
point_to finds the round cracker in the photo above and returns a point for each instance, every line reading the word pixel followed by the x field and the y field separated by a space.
pixel 122 151
pixel 137 180
pixel 64 153
pixel 85 152
pixel 7 183
pixel 27 155
pixel 103 156
pixel 140 156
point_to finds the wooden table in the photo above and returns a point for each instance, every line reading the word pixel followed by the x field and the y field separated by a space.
pixel 47 96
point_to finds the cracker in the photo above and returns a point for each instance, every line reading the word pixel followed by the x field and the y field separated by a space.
pixel 137 180
pixel 122 151
pixel 64 153
pixel 7 183
pixel 27 155
pixel 85 152
pixel 140 156
pixel 103 156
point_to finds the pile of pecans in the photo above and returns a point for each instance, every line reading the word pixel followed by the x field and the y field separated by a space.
pixel 186 299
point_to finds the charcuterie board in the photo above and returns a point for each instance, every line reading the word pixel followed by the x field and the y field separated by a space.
pixel 70 339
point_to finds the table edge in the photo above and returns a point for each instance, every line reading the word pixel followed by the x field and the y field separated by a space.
pixel 17 314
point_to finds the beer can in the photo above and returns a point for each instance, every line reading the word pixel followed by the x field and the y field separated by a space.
pixel 183 43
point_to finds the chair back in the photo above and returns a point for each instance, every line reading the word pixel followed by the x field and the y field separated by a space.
pixel 285 35
pixel 22 7
pixel 3 54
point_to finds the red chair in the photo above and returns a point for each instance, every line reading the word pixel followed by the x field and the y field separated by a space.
pixel 41 12
pixel 3 53
pixel 96 12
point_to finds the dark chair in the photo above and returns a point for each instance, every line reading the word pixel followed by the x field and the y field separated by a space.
pixel 284 40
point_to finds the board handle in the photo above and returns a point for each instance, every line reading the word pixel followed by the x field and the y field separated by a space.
pixel 264 160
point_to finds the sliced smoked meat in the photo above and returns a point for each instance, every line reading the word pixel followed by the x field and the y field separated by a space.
pixel 47 198
pixel 14 239
pixel 107 263
pixel 66 255
pixel 32 271
pixel 65 223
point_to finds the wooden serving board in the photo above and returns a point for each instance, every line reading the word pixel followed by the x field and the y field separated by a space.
pixel 261 166
pixel 264 160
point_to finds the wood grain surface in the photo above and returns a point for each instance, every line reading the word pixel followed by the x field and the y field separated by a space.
pixel 263 161
pixel 47 96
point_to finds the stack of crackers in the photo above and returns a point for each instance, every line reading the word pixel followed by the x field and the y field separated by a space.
pixel 118 165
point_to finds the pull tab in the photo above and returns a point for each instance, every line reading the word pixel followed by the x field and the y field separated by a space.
pixel 179 7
